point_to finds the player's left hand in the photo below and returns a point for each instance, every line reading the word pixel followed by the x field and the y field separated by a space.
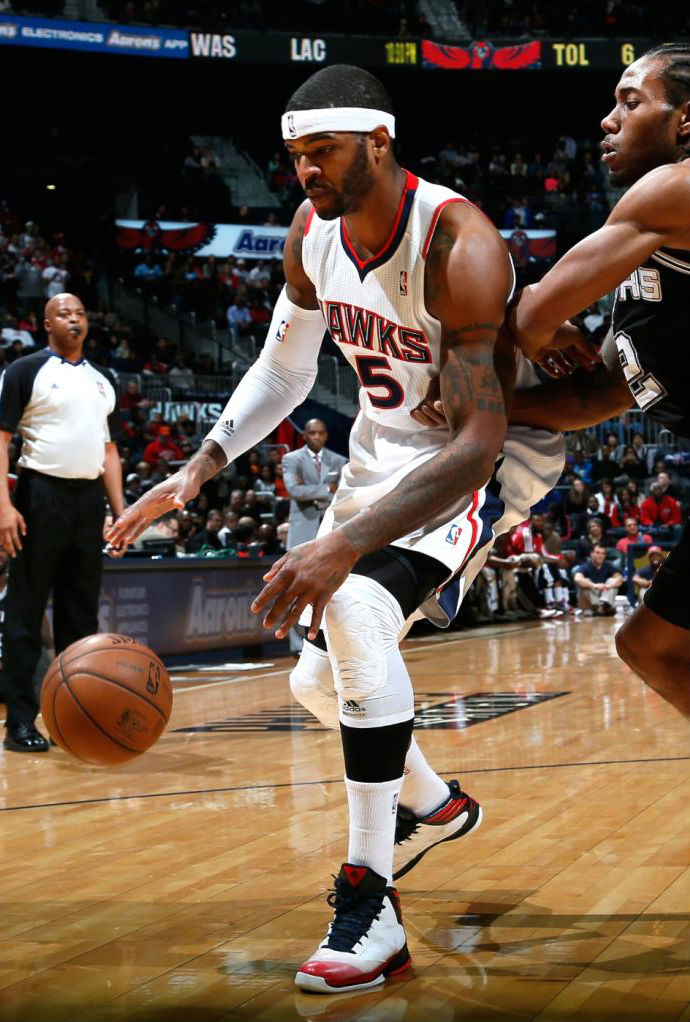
pixel 307 575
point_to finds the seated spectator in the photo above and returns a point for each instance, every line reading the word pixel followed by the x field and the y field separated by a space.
pixel 154 367
pixel 227 533
pixel 627 507
pixel 148 270
pixel 576 505
pixel 163 447
pixel 519 214
pixel 11 333
pixel 181 377
pixel 264 487
pixel 236 502
pixel 598 582
pixel 251 507
pixel 133 488
pixel 280 489
pixel 643 577
pixel 582 466
pixel 209 535
pixel 581 440
pixel 132 397
pixel 605 465
pixel 239 318
pixel 667 487
pixel 268 538
pixel 282 535
pixel 631 465
pixel 661 512
pixel 165 527
pixel 245 535
pixel 607 502
pixel 594 533
pixel 632 536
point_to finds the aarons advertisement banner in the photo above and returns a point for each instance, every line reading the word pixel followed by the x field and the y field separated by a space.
pixel 254 242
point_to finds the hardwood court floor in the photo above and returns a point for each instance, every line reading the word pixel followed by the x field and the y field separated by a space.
pixel 190 883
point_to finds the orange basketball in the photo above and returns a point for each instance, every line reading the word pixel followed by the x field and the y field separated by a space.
pixel 106 699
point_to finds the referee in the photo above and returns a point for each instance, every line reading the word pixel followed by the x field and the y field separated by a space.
pixel 66 411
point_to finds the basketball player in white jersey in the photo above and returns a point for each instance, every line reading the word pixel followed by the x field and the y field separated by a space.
pixel 412 282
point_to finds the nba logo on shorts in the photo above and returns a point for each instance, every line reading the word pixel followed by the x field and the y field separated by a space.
pixel 454 534
pixel 282 331
pixel 291 126
pixel 403 282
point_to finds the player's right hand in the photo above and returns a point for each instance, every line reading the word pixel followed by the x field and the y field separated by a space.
pixel 172 493
pixel 12 528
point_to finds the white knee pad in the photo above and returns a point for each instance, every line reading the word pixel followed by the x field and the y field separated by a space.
pixel 362 624
pixel 312 685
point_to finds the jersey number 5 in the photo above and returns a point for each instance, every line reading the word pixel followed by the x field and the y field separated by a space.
pixel 644 387
pixel 368 370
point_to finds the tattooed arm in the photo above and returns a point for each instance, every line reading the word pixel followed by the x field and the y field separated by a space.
pixel 279 380
pixel 467 283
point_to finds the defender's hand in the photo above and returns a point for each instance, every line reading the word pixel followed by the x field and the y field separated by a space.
pixel 569 349
pixel 170 494
pixel 308 574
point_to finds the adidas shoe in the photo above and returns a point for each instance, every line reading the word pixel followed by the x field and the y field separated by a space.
pixel 365 940
pixel 416 835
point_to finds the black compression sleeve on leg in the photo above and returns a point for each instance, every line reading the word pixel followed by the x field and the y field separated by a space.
pixel 376 754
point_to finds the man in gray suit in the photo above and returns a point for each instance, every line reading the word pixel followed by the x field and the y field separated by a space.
pixel 311 478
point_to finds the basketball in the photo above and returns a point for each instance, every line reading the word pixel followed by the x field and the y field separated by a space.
pixel 106 699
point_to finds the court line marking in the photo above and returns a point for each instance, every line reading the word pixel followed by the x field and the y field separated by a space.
pixel 331 780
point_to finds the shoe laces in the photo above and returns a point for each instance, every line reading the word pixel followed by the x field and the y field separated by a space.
pixel 352 916
pixel 406 826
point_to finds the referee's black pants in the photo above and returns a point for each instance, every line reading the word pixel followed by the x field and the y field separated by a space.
pixel 62 552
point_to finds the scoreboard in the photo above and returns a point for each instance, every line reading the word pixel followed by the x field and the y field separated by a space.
pixel 247 47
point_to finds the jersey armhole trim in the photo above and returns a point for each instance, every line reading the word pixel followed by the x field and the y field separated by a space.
pixel 307 225
pixel 434 221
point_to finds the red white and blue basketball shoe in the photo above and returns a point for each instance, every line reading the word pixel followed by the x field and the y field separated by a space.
pixel 458 816
pixel 365 940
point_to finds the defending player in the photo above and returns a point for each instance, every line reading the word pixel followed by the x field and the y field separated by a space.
pixel 643 251
pixel 413 283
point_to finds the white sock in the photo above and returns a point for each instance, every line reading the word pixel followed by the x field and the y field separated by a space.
pixel 373 809
pixel 423 790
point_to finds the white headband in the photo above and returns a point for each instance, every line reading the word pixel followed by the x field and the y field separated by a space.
pixel 297 123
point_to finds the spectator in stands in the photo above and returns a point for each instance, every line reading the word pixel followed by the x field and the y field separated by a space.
pixel 154 367
pixel 631 465
pixel 245 534
pixel 598 582
pixel 632 536
pixel 209 535
pixel 181 377
pixel 162 448
pixel 667 487
pixel 227 533
pixel 133 489
pixel 594 533
pixel 55 277
pixel 132 398
pixel 148 270
pixel 576 505
pixel 270 545
pixel 582 466
pixel 166 527
pixel 251 508
pixel 644 577
pixel 519 214
pixel 30 286
pixel 581 440
pixel 605 465
pixel 264 487
pixel 607 502
pixel 661 512
pixel 239 318
pixel 627 507
pixel 11 334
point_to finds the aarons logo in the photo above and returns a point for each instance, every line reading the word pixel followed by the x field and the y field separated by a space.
pixel 255 243
pixel 221 614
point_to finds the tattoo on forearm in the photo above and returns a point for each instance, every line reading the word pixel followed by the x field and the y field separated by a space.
pixel 208 460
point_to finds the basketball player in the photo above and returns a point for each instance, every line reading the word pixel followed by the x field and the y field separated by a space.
pixel 412 283
pixel 643 252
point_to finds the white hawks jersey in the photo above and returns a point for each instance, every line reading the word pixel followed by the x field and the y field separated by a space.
pixel 376 314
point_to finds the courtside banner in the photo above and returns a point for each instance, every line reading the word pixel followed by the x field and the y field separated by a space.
pixel 184 605
pixel 93 37
pixel 222 240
